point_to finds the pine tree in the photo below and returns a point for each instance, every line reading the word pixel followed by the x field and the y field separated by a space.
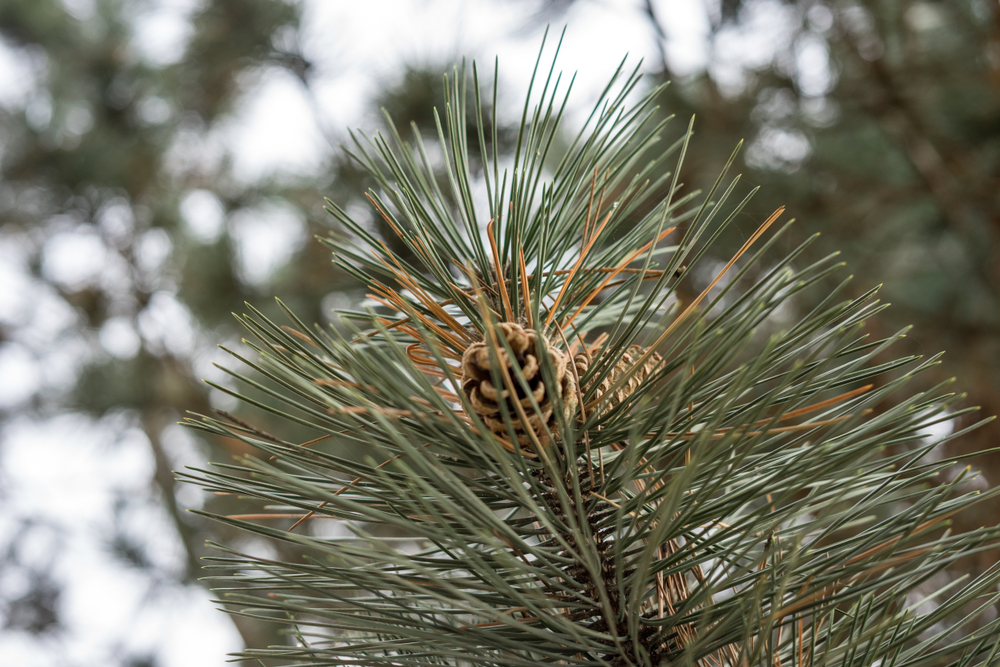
pixel 540 445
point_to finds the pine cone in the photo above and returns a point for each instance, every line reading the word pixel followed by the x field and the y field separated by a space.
pixel 477 383
pixel 628 359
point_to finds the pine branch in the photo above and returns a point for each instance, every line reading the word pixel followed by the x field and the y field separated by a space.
pixel 534 451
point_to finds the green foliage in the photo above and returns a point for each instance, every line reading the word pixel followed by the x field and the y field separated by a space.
pixel 767 495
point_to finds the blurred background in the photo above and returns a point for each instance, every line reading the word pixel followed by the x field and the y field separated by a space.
pixel 163 161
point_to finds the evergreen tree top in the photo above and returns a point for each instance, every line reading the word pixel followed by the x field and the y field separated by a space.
pixel 542 445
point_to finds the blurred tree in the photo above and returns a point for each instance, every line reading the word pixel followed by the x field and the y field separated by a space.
pixel 107 176
pixel 902 169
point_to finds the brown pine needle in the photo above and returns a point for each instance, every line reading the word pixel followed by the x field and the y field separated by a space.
pixel 608 501
pixel 321 438
pixel 386 323
pixel 393 324
pixel 421 338
pixel 694 304
pixel 723 432
pixel 447 395
pixel 402 324
pixel 576 267
pixel 822 404
pixel 264 435
pixel 836 586
pixel 298 334
pixel 426 299
pixel 314 441
pixel 403 306
pixel 597 344
pixel 524 286
pixel 888 543
pixel 423 297
pixel 385 216
pixel 501 282
pixel 418 354
pixel 802 602
pixel 422 250
pixel 652 274
pixel 590 205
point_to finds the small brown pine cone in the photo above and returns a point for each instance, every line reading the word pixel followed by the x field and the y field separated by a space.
pixel 628 359
pixel 477 383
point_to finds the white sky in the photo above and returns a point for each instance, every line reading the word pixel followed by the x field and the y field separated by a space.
pixel 357 52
